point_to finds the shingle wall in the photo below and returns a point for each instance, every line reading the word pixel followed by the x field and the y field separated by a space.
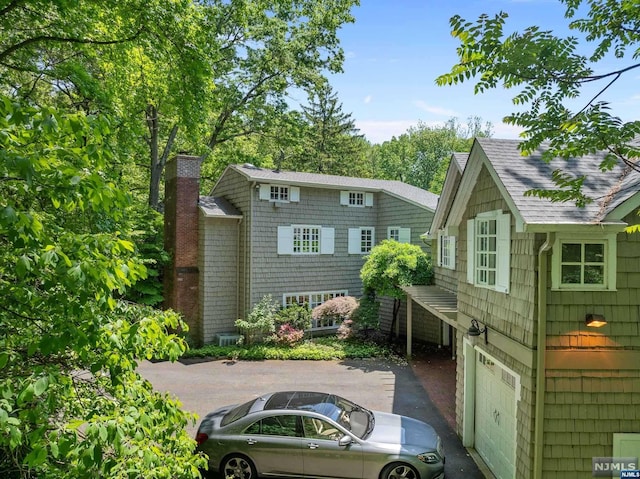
pixel 219 272
pixel 585 407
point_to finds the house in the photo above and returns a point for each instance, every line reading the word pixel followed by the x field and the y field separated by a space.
pixel 540 392
pixel 299 237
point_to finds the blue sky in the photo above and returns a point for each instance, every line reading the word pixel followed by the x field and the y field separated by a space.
pixel 396 49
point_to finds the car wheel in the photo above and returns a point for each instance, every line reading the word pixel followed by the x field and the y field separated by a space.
pixel 399 471
pixel 237 466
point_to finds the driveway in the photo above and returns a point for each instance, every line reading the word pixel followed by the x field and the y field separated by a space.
pixel 381 385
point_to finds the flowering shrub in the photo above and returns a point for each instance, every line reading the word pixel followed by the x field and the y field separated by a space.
pixel 259 322
pixel 287 335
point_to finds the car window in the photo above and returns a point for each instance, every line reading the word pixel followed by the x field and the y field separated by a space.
pixel 276 426
pixel 237 412
pixel 315 428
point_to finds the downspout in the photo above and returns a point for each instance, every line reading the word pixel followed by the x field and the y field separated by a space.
pixel 540 357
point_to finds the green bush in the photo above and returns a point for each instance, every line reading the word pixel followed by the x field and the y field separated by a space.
pixel 260 321
pixel 296 316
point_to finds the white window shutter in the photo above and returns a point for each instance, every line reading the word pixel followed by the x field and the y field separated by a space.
pixel 344 198
pixel 439 256
pixel 452 251
pixel 368 199
pixel 327 240
pixel 471 250
pixel 503 226
pixel 265 192
pixel 285 240
pixel 405 235
pixel 294 194
pixel 354 241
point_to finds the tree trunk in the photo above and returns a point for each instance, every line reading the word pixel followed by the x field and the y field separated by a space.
pixel 157 162
pixel 396 309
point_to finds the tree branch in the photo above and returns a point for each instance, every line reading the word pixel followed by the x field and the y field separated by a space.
pixel 49 38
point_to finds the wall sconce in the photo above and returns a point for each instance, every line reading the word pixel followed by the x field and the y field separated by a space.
pixel 474 331
pixel 594 320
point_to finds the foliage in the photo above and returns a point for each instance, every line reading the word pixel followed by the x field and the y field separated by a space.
pixel 287 335
pixel 71 402
pixel 260 321
pixel 319 349
pixel 367 316
pixel 552 74
pixel 418 156
pixel 296 315
pixel 335 310
pixel 391 265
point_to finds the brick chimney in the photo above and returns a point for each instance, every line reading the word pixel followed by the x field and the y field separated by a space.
pixel 182 190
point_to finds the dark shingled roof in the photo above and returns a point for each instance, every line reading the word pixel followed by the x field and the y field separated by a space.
pixel 519 174
pixel 399 189
pixel 217 206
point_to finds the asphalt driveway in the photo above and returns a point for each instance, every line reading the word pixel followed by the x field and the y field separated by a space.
pixel 381 385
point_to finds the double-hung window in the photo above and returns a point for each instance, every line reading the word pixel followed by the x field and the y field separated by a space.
pixel 279 193
pixel 305 239
pixel 489 250
pixel 401 235
pixel 358 199
pixel 584 263
pixel 446 250
pixel 361 240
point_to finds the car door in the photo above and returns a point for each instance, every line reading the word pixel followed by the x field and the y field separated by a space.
pixel 274 444
pixel 323 455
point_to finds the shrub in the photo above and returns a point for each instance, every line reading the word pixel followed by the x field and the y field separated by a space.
pixel 367 316
pixel 297 316
pixel 335 310
pixel 260 321
pixel 287 335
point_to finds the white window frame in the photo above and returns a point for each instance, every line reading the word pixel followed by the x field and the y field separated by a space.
pixel 313 299
pixel 276 193
pixel 609 241
pixel 358 244
pixel 488 253
pixel 356 199
pixel 399 234
pixel 287 240
pixel 446 250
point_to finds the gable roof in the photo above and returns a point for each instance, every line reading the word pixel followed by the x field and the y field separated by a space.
pixel 615 193
pixel 409 193
pixel 456 166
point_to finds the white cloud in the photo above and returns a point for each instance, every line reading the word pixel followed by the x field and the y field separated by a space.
pixel 436 110
pixel 381 131
pixel 506 132
pixel 367 99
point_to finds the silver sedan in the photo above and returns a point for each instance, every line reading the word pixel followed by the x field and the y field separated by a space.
pixel 317 435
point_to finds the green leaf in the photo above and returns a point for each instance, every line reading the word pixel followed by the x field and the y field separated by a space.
pixel 41 386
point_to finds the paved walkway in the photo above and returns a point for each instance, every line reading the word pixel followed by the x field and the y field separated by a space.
pixel 382 385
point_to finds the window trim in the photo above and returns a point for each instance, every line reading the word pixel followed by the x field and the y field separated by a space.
pixel 345 198
pixel 446 243
pixel 404 234
pixel 355 239
pixel 285 240
pixel 293 193
pixel 609 240
pixel 502 251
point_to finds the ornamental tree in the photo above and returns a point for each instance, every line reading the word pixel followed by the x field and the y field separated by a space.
pixel 391 265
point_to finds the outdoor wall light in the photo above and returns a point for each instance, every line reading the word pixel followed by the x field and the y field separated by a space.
pixel 474 331
pixel 594 320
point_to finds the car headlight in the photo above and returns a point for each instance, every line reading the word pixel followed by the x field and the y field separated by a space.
pixel 429 457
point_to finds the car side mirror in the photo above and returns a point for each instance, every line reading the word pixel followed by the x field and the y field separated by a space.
pixel 345 440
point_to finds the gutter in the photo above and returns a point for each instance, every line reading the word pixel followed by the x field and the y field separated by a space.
pixel 538 435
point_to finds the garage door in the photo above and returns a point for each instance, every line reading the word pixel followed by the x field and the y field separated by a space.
pixel 495 425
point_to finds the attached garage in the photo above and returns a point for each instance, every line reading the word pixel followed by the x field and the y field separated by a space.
pixel 491 399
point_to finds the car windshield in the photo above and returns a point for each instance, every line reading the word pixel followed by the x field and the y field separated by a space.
pixel 349 415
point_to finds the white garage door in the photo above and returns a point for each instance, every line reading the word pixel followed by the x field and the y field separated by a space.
pixel 495 424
